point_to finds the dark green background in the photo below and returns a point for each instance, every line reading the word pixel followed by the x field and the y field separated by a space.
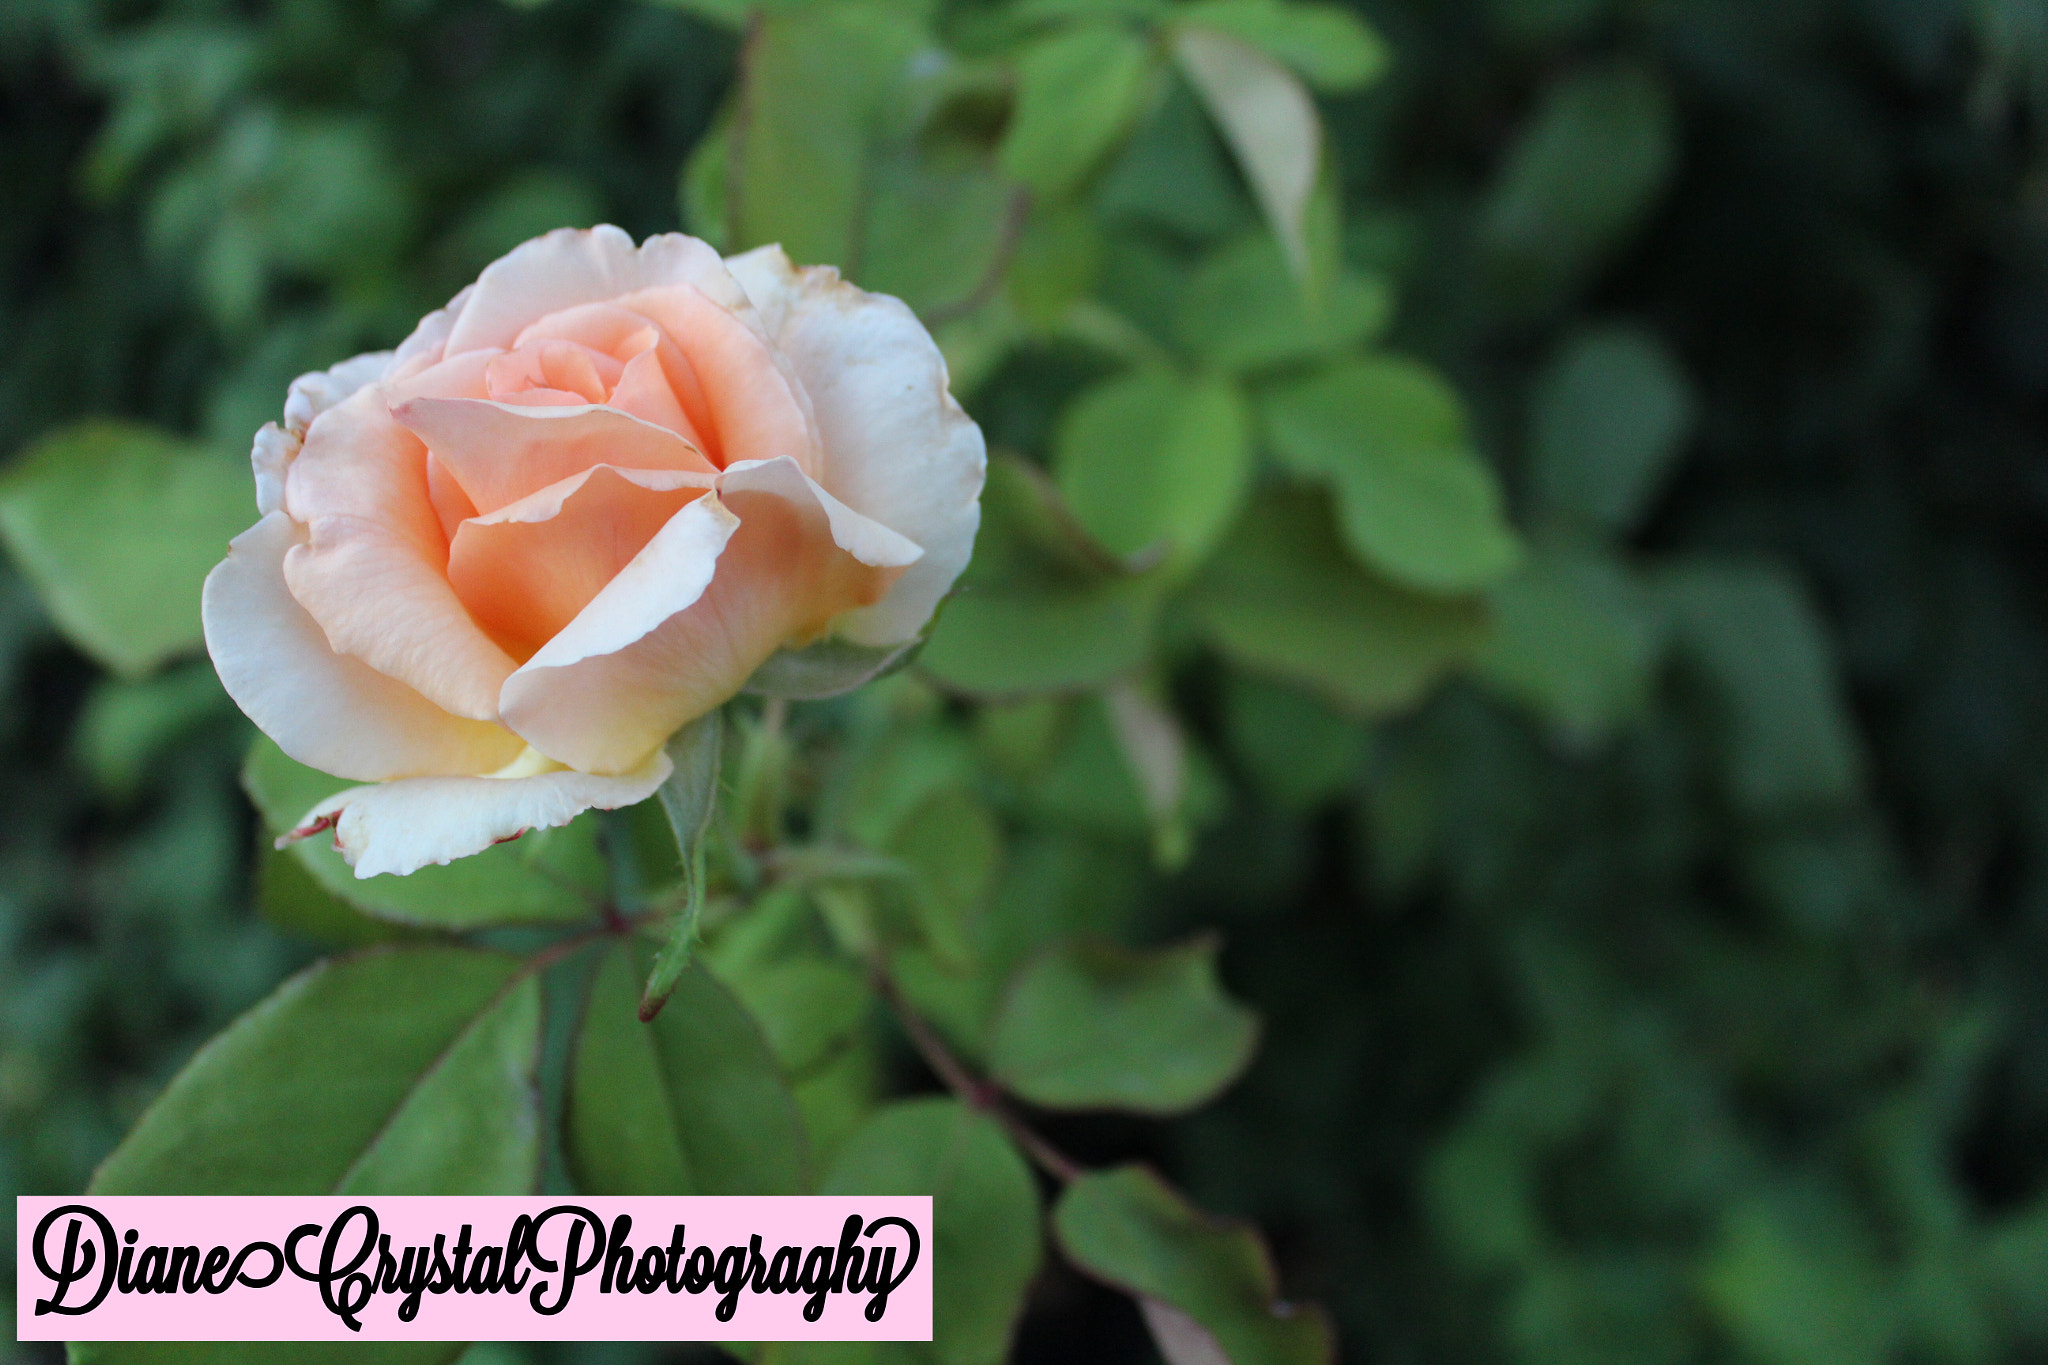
pixel 1726 1040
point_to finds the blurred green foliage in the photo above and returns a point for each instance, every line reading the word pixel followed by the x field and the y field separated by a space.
pixel 1548 566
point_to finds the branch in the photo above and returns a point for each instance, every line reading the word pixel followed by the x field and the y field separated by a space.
pixel 971 1089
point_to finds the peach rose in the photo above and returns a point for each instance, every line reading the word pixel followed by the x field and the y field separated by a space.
pixel 594 497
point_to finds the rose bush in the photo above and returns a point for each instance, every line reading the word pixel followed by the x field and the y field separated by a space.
pixel 584 504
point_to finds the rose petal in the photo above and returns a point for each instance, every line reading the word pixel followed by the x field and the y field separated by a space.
pixel 669 639
pixel 897 448
pixel 373 569
pixel 400 827
pixel 326 710
pixel 428 343
pixel 568 267
pixel 312 394
pixel 526 570
pixel 501 453
pixel 270 459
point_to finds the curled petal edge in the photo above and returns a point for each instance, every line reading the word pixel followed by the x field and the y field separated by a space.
pixel 400 827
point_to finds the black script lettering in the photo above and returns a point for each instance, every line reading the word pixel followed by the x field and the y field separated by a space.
pixel 78 1259
pixel 516 1242
pixel 444 1273
pixel 849 1255
pixel 697 1275
pixel 184 1270
pixel 652 1271
pixel 235 1271
pixel 413 1277
pixel 880 1282
pixel 345 1289
pixel 483 1271
pixel 460 1282
pixel 150 1271
pixel 757 1265
pixel 730 1279
pixel 782 1271
pixel 127 1277
pixel 675 1260
pixel 570 1266
pixel 210 1277
pixel 618 1257
pixel 816 1281
pixel 387 1266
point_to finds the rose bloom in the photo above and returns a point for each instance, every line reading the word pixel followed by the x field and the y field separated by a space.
pixel 581 506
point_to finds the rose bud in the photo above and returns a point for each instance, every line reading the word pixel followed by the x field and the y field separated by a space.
pixel 586 503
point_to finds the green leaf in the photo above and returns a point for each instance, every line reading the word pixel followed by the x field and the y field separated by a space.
pixel 689 798
pixel 1752 631
pixel 547 877
pixel 117 526
pixel 1272 127
pixel 1577 639
pixel 127 726
pixel 985 1239
pixel 1042 606
pixel 288 896
pixel 1389 435
pixel 1330 46
pixel 1089 1025
pixel 1298 751
pixel 397 1071
pixel 1283 597
pixel 1582 176
pixel 1794 1284
pixel 1078 91
pixel 954 847
pixel 807 1006
pixel 1154 457
pixel 814 91
pixel 1129 1229
pixel 1606 421
pixel 1242 310
pixel 691 1103
pixel 937 216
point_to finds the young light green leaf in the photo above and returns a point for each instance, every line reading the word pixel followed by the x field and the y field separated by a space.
pixel 1078 90
pixel 1270 122
pixel 547 877
pixel 807 1006
pixel 1283 597
pixel 1089 1025
pixel 689 798
pixel 691 1103
pixel 1607 418
pixel 985 1239
pixel 1329 45
pixel 288 896
pixel 1577 639
pixel 953 847
pixel 814 86
pixel 1128 1228
pixel 1753 632
pixel 396 1071
pixel 1592 162
pixel 1242 310
pixel 1388 434
pixel 1043 606
pixel 117 526
pixel 1155 458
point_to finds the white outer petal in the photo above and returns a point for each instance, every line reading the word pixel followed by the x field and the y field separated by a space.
pixel 400 827
pixel 428 343
pixel 326 710
pixel 898 449
pixel 570 266
pixel 312 394
pixel 269 459
pixel 861 536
